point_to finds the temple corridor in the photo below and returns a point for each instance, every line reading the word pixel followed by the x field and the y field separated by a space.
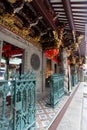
pixel 67 115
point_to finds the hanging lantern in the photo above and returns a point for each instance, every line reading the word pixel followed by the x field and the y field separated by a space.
pixel 6 48
pixel 12 52
pixel 51 53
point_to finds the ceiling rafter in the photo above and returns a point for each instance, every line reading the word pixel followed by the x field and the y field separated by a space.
pixel 80 11
pixel 76 7
pixel 79 3
pixel 79 24
pixel 83 16
pixel 85 20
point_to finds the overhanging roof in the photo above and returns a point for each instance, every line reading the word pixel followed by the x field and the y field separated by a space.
pixel 79 13
pixel 36 20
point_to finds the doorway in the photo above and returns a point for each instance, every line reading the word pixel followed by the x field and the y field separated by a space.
pixel 12 57
pixel 55 68
pixel 48 72
pixel 48 68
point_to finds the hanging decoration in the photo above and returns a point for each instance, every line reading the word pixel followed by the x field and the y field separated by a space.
pixel 12 1
pixel 75 46
pixel 29 0
pixel 58 41
pixel 51 53
pixel 68 51
pixel 79 38
pixel 55 35
pixel 80 61
pixel 58 36
pixel 73 60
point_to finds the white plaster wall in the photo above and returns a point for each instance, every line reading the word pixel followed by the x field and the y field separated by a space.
pixel 34 50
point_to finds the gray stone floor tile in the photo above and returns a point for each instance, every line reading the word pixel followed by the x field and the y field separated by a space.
pixel 72 118
pixel 84 115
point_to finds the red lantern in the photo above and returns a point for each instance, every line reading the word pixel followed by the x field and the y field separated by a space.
pixel 6 48
pixel 51 53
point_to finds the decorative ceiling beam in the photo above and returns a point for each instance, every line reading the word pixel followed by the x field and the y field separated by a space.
pixel 44 12
pixel 68 10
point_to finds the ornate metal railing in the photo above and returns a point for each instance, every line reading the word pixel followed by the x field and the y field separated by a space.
pixel 6 109
pixel 56 89
pixel 18 102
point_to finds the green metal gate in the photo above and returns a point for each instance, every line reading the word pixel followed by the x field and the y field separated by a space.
pixel 18 103
pixel 56 89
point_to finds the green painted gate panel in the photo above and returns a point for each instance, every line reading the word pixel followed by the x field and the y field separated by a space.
pixel 6 109
pixel 18 103
pixel 56 89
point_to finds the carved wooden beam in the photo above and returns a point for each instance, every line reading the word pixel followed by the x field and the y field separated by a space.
pixel 44 12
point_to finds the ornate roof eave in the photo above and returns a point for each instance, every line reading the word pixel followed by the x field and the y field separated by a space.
pixel 16 35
